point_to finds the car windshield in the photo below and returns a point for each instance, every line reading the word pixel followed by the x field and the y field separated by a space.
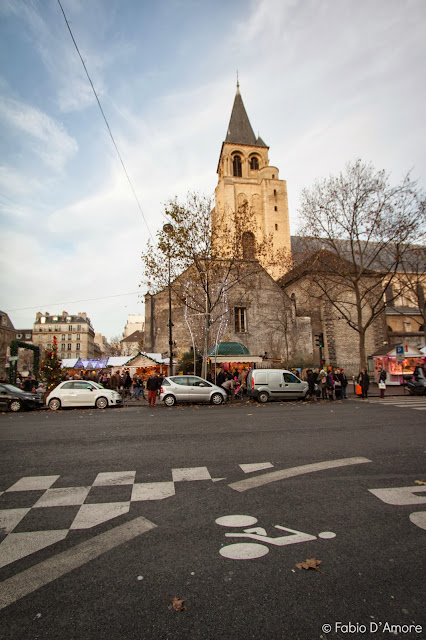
pixel 95 384
pixel 11 387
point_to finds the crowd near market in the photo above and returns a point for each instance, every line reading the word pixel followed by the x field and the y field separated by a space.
pixel 324 384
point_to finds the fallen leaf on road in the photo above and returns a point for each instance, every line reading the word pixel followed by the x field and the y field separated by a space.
pixel 419 482
pixel 311 563
pixel 177 604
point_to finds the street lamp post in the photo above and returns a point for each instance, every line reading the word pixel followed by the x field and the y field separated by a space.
pixel 168 228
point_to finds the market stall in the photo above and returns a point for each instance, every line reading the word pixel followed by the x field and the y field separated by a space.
pixel 397 365
pixel 231 356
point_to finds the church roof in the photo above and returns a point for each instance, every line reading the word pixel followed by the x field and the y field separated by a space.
pixel 239 129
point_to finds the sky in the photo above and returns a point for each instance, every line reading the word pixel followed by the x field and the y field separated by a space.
pixel 323 81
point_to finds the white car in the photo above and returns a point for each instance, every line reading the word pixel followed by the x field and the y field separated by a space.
pixel 82 393
pixel 190 389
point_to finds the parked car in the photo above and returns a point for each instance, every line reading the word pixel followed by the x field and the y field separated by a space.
pixel 190 389
pixel 15 399
pixel 275 384
pixel 82 393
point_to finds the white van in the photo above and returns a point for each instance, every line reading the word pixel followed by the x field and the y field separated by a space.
pixel 275 384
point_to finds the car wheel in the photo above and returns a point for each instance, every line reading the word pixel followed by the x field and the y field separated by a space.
pixel 54 404
pixel 101 403
pixel 169 401
pixel 217 398
pixel 263 397
pixel 15 405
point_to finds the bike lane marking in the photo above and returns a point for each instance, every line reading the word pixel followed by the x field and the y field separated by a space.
pixel 282 474
pixel 62 563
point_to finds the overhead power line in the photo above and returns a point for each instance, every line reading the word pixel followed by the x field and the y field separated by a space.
pixel 106 121
pixel 56 304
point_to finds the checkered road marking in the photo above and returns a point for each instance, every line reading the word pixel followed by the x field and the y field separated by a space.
pixel 36 512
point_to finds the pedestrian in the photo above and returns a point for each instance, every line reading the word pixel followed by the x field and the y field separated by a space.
pixel 382 381
pixel 136 387
pixel 364 381
pixel 337 385
pixel 330 384
pixel 228 385
pixel 220 378
pixel 322 383
pixel 152 386
pixel 344 383
pixel 115 381
pixel 310 378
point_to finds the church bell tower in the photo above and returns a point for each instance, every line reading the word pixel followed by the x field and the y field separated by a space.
pixel 247 179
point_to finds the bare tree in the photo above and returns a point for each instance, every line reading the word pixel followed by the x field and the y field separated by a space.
pixel 115 346
pixel 357 229
pixel 205 263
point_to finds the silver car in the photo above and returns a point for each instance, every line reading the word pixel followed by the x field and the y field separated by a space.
pixel 190 389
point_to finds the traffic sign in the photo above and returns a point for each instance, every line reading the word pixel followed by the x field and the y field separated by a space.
pixel 399 349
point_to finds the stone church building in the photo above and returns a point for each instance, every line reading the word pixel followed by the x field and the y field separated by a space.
pixel 267 311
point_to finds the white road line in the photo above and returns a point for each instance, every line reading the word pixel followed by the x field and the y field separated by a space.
pixel 188 474
pixel 274 476
pixel 45 572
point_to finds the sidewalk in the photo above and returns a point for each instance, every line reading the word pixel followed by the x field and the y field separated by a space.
pixel 374 391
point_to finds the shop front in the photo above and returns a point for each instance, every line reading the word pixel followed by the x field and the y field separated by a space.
pixel 396 367
pixel 231 356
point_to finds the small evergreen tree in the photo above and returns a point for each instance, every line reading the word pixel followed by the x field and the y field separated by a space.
pixel 51 369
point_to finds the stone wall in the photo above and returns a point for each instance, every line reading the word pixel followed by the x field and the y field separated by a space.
pixel 270 321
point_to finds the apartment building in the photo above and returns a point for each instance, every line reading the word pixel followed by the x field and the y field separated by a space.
pixel 74 334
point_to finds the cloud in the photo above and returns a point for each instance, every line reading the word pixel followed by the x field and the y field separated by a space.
pixel 50 140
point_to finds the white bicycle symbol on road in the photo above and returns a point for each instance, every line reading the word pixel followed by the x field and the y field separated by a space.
pixel 252 550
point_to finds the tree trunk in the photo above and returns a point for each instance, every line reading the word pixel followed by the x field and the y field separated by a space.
pixel 362 358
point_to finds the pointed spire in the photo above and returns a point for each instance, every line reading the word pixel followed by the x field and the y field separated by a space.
pixel 239 129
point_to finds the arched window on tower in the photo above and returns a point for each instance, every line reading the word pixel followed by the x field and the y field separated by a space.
pixel 254 163
pixel 236 165
pixel 249 246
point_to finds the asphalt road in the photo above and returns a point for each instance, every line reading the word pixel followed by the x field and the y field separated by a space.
pixel 138 506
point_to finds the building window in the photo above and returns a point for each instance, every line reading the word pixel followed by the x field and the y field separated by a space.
pixel 68 347
pixel 18 336
pixel 276 227
pixel 62 347
pixel 275 208
pixel 407 326
pixel 249 246
pixel 77 346
pixel 70 327
pixel 79 327
pixel 28 336
pixel 43 320
pixel 254 163
pixel 240 320
pixel 63 336
pixel 236 165
pixel 77 337
pixel 273 176
pixel 69 337
pixel 77 355
pixel 275 192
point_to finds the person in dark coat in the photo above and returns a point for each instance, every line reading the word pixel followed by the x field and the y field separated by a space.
pixel 364 382
pixel 152 387
pixel 344 382
pixel 311 379
pixel 220 379
pixel 382 381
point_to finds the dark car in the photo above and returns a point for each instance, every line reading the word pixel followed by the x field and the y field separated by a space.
pixel 15 399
